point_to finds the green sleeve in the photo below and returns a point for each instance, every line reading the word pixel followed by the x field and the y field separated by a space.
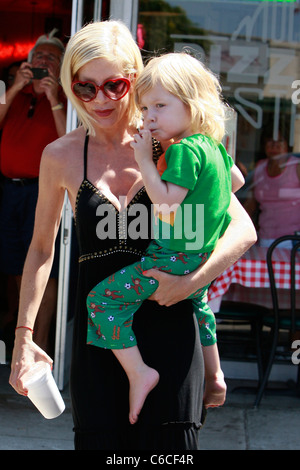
pixel 183 166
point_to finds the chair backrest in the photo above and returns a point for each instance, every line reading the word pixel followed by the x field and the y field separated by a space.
pixel 295 245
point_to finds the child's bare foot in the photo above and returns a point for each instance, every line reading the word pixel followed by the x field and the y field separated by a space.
pixel 215 391
pixel 140 386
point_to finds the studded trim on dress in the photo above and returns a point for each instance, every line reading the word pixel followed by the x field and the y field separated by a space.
pixel 121 243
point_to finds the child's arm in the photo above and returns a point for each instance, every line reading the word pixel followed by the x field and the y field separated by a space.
pixel 160 192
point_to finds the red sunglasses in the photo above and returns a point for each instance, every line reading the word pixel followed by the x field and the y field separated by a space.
pixel 114 89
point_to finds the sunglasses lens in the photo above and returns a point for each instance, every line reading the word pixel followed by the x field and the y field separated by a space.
pixel 84 91
pixel 115 89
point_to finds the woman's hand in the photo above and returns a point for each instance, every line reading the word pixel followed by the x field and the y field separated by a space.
pixel 26 353
pixel 171 289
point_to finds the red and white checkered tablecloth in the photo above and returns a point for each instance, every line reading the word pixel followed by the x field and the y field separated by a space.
pixel 251 271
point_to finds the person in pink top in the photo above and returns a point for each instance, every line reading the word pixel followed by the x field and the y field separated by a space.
pixel 276 191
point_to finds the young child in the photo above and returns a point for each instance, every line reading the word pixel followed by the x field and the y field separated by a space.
pixel 191 189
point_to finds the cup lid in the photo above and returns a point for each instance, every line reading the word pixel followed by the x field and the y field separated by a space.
pixel 37 371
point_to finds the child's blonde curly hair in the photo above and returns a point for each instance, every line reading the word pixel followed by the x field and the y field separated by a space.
pixel 189 80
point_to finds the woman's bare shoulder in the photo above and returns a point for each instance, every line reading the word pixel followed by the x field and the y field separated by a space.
pixel 65 147
pixel 62 161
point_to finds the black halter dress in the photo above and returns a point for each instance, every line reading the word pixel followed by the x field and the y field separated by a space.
pixel 168 339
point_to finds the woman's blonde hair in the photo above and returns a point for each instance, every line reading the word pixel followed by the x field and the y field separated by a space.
pixel 110 40
pixel 189 80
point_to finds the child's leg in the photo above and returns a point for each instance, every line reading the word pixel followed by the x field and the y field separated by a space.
pixel 142 379
pixel 215 386
pixel 111 306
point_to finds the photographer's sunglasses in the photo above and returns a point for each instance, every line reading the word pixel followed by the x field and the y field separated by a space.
pixel 114 89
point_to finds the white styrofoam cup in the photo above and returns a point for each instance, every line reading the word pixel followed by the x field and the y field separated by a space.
pixel 43 391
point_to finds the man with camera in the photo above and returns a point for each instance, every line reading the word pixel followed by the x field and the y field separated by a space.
pixel 32 116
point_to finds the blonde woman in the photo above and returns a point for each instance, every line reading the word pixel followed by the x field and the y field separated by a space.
pixel 191 191
pixel 95 164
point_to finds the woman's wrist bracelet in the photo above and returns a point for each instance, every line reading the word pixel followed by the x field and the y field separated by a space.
pixel 26 328
pixel 58 106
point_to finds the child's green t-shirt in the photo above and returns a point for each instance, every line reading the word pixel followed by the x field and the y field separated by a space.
pixel 203 167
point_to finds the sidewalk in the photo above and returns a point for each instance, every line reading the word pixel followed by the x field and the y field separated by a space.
pixel 235 426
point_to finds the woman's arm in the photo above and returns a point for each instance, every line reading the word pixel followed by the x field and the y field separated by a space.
pixel 237 179
pixel 37 269
pixel 238 238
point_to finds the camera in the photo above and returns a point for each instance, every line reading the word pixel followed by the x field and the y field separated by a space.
pixel 38 73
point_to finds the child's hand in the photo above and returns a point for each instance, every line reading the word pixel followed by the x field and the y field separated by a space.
pixel 142 146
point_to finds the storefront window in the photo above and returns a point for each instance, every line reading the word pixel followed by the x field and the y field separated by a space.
pixel 253 46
